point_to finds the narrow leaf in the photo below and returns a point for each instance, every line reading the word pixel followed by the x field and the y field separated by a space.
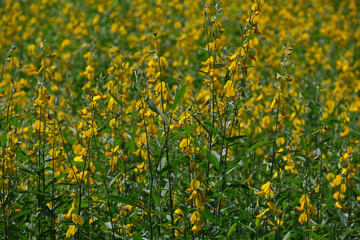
pixel 120 199
pixel 3 139
pixel 155 198
pixel 21 213
pixel 179 96
pixel 215 159
pixel 258 145
pixel 112 180
pixel 231 229
pixel 155 109
pixel 286 237
pixel 109 225
pixel 4 88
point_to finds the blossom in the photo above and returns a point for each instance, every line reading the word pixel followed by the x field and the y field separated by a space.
pixel 71 231
pixel 266 190
pixel 164 63
pixel 196 221
pixel 77 219
pixel 43 97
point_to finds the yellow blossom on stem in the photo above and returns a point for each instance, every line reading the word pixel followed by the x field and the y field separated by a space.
pixel 266 190
pixel 71 231
pixel 261 215
pixel 164 63
pixel 196 221
pixel 77 219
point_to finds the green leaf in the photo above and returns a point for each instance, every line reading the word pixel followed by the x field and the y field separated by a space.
pixel 215 159
pixel 215 130
pixel 120 199
pixel 356 190
pixel 232 139
pixel 231 229
pixel 108 225
pixel 155 198
pixel 179 96
pixel 54 180
pixel 3 139
pixel 258 145
pixel 286 237
pixel 208 215
pixel 155 109
pixel 4 88
pixel 315 236
pixel 84 203
pixel 112 180
pixel 21 213
pixel 35 192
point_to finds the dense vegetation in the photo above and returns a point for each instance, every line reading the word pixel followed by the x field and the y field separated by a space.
pixel 144 119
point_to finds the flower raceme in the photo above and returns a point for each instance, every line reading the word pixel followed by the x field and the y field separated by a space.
pixel 196 221
pixel 71 231
pixel 266 190
pixel 77 219
pixel 164 63
pixel 307 210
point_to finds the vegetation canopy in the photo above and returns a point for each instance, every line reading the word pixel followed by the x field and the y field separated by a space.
pixel 181 119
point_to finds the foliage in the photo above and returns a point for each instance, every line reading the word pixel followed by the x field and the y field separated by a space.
pixel 173 119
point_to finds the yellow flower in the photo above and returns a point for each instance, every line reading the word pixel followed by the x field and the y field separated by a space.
pixel 345 132
pixel 209 61
pixel 38 126
pixel 196 228
pixel 260 216
pixel 164 63
pixel 330 176
pixel 337 181
pixel 31 50
pixel 196 221
pixel 185 143
pixel 178 214
pixel 230 91
pixel 340 205
pixel 195 184
pixel 271 205
pixel 250 181
pixel 152 130
pixel 309 209
pixel 78 159
pixel 45 62
pixel 77 219
pixel 113 161
pixel 304 200
pixel 14 62
pixel 303 218
pixel 266 190
pixel 195 216
pixel 71 231
pixel 43 97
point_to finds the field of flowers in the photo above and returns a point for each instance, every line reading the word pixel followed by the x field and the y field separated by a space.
pixel 154 119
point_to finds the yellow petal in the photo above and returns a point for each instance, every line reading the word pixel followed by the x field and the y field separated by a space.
pixel 71 231
pixel 195 216
pixel 78 159
pixel 303 218
pixel 337 181
pixel 164 63
pixel 260 216
pixel 77 219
